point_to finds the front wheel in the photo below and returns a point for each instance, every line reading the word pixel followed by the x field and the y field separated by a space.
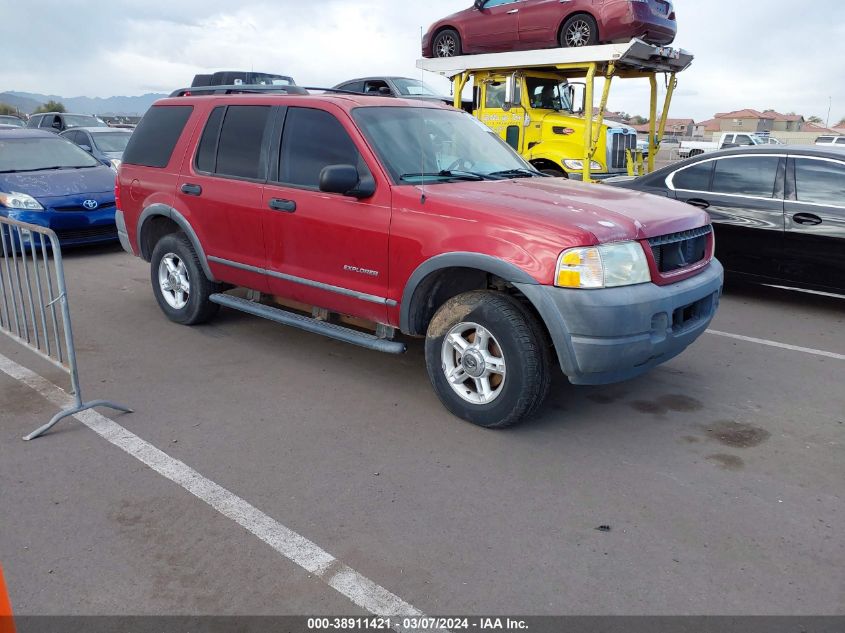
pixel 488 359
pixel 447 43
pixel 179 283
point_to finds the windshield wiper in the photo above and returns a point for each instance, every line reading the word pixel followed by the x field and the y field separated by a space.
pixel 519 172
pixel 446 173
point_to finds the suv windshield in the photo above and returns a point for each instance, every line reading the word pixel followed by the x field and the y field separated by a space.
pixel 434 145
pixel 111 141
pixel 548 94
pixel 414 88
pixel 82 120
pixel 33 154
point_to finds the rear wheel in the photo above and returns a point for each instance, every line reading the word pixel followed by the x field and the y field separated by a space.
pixel 579 30
pixel 447 43
pixel 488 359
pixel 179 283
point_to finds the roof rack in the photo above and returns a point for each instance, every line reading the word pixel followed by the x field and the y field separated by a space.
pixel 200 91
pixel 636 57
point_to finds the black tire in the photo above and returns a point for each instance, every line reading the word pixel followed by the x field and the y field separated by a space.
pixel 557 173
pixel 696 152
pixel 515 336
pixel 447 43
pixel 579 30
pixel 197 307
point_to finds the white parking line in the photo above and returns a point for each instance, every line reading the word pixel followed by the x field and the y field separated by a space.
pixel 794 348
pixel 295 547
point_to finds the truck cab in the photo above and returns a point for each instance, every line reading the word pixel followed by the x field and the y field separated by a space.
pixel 544 121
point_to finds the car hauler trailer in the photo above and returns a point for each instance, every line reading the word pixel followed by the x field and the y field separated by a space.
pixel 547 128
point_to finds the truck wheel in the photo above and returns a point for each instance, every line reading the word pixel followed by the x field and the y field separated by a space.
pixel 557 173
pixel 446 44
pixel 579 30
pixel 488 359
pixel 179 283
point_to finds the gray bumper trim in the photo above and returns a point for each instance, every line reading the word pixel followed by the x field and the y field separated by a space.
pixel 122 233
pixel 613 334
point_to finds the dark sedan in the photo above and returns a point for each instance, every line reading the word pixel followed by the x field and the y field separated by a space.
pixel 495 26
pixel 778 211
pixel 106 144
pixel 401 87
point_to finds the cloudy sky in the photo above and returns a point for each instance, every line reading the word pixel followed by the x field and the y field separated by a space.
pixel 778 54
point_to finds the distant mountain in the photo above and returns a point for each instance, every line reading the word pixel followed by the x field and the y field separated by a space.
pixel 27 102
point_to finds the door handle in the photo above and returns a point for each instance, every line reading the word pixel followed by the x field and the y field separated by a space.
pixel 698 202
pixel 279 204
pixel 514 11
pixel 808 219
pixel 191 190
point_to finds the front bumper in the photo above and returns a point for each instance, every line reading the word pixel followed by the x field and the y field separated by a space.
pixel 73 229
pixel 614 334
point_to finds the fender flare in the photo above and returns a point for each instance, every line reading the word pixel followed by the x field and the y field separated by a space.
pixel 505 270
pixel 169 212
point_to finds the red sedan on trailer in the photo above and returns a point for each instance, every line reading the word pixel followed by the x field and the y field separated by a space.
pixel 495 26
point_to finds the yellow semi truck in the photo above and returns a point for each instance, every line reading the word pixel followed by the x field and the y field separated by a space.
pixel 531 100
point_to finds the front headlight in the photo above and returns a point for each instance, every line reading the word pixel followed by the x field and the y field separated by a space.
pixel 578 165
pixel 604 266
pixel 16 200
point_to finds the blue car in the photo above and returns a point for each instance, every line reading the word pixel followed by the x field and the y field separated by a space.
pixel 49 181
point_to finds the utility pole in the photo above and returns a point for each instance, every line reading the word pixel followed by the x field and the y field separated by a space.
pixel 829 106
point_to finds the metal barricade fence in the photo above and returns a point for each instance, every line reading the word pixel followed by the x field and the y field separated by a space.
pixel 34 307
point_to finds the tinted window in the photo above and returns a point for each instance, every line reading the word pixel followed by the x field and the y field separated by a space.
pixel 742 139
pixel 695 178
pixel 155 137
pixel 820 181
pixel 840 140
pixel 824 139
pixel 748 176
pixel 239 149
pixel 313 139
pixel 354 86
pixel 207 151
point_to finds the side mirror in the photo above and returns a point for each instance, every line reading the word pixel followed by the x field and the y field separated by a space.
pixel 510 93
pixel 87 148
pixel 344 179
pixel 479 4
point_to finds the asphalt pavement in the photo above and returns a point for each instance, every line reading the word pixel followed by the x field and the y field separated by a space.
pixel 712 485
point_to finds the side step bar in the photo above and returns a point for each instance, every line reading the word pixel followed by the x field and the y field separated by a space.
pixel 331 330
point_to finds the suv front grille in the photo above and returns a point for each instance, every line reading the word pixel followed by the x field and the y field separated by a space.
pixel 680 250
pixel 617 143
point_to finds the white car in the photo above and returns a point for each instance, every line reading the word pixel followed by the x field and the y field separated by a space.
pixel 831 140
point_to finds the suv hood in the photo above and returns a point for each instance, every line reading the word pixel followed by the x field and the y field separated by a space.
pixel 561 207
pixel 60 182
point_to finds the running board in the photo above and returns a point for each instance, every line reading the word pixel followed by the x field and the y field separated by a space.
pixel 331 330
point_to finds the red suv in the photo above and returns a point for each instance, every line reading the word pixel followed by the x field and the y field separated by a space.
pixel 496 26
pixel 414 217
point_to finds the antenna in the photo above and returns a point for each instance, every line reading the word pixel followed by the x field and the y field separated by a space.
pixel 422 148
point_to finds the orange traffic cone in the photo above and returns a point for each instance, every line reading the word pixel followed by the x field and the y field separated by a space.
pixel 7 624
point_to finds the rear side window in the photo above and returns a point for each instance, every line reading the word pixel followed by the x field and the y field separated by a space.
pixel 695 178
pixel 207 151
pixel 820 182
pixel 840 140
pixel 155 137
pixel 746 176
pixel 314 139
pixel 241 140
